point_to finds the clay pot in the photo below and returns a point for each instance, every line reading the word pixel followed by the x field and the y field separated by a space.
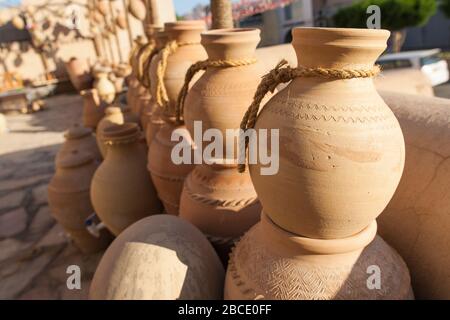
pixel 273 264
pixel 341 148
pixel 105 88
pixel 93 108
pixel 217 199
pixel 129 116
pixel 121 191
pixel 137 9
pixel 167 176
pixel 145 111
pixel 69 200
pixel 18 22
pixel 113 115
pixel 159 257
pixel 79 73
pixel 121 21
pixel 79 138
pixel 103 7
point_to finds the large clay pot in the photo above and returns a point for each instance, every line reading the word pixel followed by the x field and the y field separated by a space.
pixel 145 111
pixel 105 88
pixel 79 73
pixel 271 263
pixel 113 115
pixel 159 257
pixel 122 191
pixel 167 176
pixel 217 199
pixel 93 108
pixel 69 199
pixel 341 149
pixel 79 138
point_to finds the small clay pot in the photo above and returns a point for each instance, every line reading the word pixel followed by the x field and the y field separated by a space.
pixel 105 88
pixel 272 264
pixel 79 73
pixel 69 199
pixel 79 138
pixel 159 257
pixel 93 108
pixel 113 115
pixel 137 9
pixel 121 191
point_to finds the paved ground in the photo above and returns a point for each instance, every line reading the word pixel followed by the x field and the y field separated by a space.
pixel 34 253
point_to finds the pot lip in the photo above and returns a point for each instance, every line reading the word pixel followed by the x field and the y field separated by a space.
pixel 317 33
pixel 231 32
pixel 121 133
pixel 185 25
pixel 318 246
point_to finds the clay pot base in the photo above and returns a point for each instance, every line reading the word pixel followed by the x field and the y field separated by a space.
pixel 270 263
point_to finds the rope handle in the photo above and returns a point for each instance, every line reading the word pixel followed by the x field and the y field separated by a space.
pixel 283 73
pixel 203 65
pixel 146 52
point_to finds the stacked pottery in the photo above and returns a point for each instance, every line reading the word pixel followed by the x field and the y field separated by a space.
pixel 159 257
pixel 133 82
pixel 79 138
pixel 79 73
pixel 216 198
pixel 341 156
pixel 168 176
pixel 121 190
pixel 69 200
pixel 153 112
pixel 113 115
pixel 93 108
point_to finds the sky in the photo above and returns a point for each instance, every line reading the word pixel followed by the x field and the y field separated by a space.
pixel 185 6
pixel 8 3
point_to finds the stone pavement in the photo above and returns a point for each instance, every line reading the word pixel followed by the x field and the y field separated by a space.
pixel 34 253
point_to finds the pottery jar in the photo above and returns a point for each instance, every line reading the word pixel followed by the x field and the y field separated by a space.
pixel 167 176
pixel 105 88
pixel 113 115
pixel 137 9
pixel 216 198
pixel 93 108
pixel 159 258
pixel 121 190
pixel 79 73
pixel 146 109
pixel 341 149
pixel 273 264
pixel 69 199
pixel 79 138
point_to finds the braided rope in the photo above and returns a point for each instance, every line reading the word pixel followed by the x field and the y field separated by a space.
pixel 171 47
pixel 146 52
pixel 203 65
pixel 284 73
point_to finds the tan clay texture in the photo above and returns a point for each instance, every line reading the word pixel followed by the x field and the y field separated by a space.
pixel 159 257
pixel 105 88
pixel 93 108
pixel 341 147
pixel 79 73
pixel 417 220
pixel 272 264
pixel 113 115
pixel 121 189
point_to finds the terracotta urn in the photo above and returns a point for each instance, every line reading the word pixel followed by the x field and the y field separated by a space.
pixel 79 73
pixel 168 176
pixel 103 7
pixel 113 115
pixel 121 191
pixel 93 108
pixel 105 88
pixel 341 149
pixel 159 258
pixel 273 264
pixel 137 9
pixel 69 199
pixel 145 110
pixel 217 198
pixel 79 138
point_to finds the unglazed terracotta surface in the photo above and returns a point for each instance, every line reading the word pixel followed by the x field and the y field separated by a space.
pixel 273 264
pixel 113 115
pixel 159 257
pixel 105 88
pixel 417 220
pixel 79 138
pixel 121 190
pixel 69 201
pixel 341 147
pixel 79 73
pixel 167 176
pixel 217 199
pixel 93 108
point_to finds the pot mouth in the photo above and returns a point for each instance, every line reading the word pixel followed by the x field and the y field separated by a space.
pixel 121 133
pixel 74 158
pixel 185 25
pixel 231 35
pixel 232 31
pixel 318 246
pixel 112 110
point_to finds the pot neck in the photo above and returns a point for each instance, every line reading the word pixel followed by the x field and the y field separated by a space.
pixel 292 244
pixel 122 135
pixel 340 48
pixel 231 44
pixel 185 31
